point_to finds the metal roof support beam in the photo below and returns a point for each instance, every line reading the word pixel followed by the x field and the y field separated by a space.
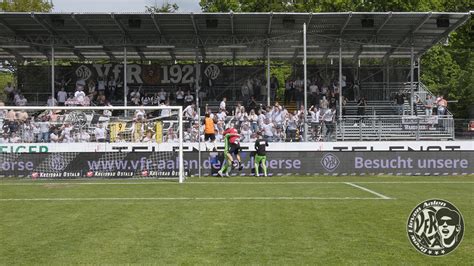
pixel 389 16
pixel 160 32
pixel 119 24
pixel 155 23
pixel 109 53
pixel 7 26
pixel 84 28
pixel 444 34
pixel 43 24
pixel 269 31
pixel 348 19
pixel 409 35
pixel 231 23
pixel 140 53
pixel 199 40
pixel 295 54
pixel 16 54
pixel 357 54
pixel 79 55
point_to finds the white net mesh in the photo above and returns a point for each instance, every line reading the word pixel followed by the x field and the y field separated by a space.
pixel 91 142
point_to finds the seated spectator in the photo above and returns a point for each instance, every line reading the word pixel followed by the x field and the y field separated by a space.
pixel 149 137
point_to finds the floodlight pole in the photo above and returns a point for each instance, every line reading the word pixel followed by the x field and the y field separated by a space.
pixel 305 79
pixel 125 76
pixel 340 80
pixel 268 75
pixel 180 152
pixel 52 75
pixel 412 88
pixel 198 107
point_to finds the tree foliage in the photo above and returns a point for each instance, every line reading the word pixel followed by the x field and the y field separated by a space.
pixel 26 6
pixel 446 69
pixel 166 7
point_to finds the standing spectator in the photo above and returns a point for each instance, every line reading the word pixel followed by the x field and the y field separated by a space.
pixel 291 128
pixel 361 105
pixel 222 105
pixel 162 94
pixel 253 119
pixel 245 92
pixel 20 100
pixel 324 104
pixel 328 118
pixel 273 87
pixel 101 84
pixel 189 111
pixel 43 130
pixel 111 88
pixel 289 88
pixel 400 101
pixel 299 96
pixel 62 97
pixel 263 91
pixel 51 101
pixel 356 90
pixel 315 125
pixel 268 128
pixel 314 90
pixel 9 92
pixel 135 97
pixel 429 105
pixel 100 133
pixel 442 105
pixel 180 97
pixel 188 99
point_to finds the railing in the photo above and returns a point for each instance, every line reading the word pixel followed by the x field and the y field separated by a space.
pixel 383 128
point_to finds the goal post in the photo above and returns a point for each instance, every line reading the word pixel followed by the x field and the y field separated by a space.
pixel 105 141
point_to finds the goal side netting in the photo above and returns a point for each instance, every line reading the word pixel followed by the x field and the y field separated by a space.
pixel 91 142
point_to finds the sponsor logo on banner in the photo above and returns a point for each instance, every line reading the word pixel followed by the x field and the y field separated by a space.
pixel 330 162
pixel 212 71
pixel 435 227
pixel 57 162
pixel 36 175
pixel 83 72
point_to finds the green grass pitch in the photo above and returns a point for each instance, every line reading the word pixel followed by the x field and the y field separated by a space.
pixel 239 220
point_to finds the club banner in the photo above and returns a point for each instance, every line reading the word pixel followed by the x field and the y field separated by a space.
pixel 165 164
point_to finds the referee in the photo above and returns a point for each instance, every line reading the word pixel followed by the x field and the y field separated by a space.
pixel 260 155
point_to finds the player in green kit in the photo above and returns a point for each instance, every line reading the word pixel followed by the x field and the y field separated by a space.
pixel 260 155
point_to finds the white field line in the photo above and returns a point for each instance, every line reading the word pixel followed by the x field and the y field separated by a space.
pixel 190 198
pixel 33 183
pixel 368 190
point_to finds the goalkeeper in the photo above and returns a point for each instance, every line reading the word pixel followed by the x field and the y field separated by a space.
pixel 232 146
pixel 260 155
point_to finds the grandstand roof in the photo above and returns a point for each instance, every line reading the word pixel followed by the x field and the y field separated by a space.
pixel 217 36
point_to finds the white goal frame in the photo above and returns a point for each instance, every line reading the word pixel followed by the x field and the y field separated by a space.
pixel 119 108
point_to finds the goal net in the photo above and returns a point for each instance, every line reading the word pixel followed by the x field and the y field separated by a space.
pixel 91 142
